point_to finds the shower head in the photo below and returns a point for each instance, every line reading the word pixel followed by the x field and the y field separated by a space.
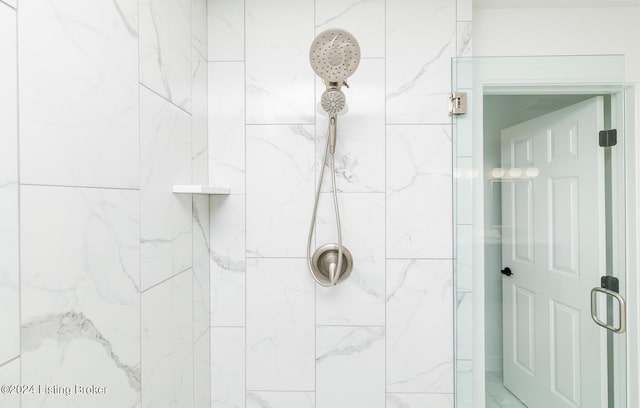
pixel 334 55
pixel 332 101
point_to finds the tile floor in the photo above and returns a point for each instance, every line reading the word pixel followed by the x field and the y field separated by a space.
pixel 497 396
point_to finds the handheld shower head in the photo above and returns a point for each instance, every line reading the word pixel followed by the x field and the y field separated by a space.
pixel 334 55
pixel 332 101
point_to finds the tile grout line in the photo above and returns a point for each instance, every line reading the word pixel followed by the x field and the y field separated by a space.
pixel 193 203
pixel 161 96
pixel 385 208
pixel 87 187
pixel 9 361
pixel 155 285
pixel 140 330
pixel 19 199
pixel 281 124
pixel 246 280
pixel 202 335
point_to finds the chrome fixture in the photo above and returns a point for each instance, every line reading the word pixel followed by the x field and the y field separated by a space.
pixel 334 56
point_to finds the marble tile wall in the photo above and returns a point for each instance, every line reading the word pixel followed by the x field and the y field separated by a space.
pixel 10 374
pixel 76 289
pixel 9 208
pixel 104 272
pixel 385 336
pixel 79 93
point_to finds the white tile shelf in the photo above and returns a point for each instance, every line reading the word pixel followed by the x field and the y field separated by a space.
pixel 200 189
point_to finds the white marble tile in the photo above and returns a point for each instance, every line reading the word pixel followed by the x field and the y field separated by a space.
pixel 12 3
pixel 79 109
pixel 10 375
pixel 363 19
pixel 227 125
pixel 464 10
pixel 280 81
pixel 464 35
pixel 226 30
pixel 227 367
pixel 199 21
pixel 8 98
pixel 419 213
pixel 361 132
pixel 228 267
pixel 202 371
pixel 280 189
pixel 165 159
pixel 201 267
pixel 398 400
pixel 80 291
pixel 463 175
pixel 258 399
pixel 280 325
pixel 167 343
pixel 419 71
pixel 350 367
pixel 360 299
pixel 464 323
pixel 9 262
pixel 464 258
pixel 165 49
pixel 9 272
pixel 419 313
pixel 464 384
pixel 199 120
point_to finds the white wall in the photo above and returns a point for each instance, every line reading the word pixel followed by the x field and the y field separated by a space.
pixel 558 31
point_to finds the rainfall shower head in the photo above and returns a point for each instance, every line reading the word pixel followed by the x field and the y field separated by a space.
pixel 334 55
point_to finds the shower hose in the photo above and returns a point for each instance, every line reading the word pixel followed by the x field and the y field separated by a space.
pixel 334 270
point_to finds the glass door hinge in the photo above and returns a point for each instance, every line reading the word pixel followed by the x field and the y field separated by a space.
pixel 458 103
pixel 608 138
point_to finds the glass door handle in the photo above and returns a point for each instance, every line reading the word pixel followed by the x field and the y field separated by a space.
pixel 622 304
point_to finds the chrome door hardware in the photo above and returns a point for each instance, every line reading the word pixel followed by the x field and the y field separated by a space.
pixel 458 103
pixel 622 308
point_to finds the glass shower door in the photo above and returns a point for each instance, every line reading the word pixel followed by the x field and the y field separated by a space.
pixel 539 177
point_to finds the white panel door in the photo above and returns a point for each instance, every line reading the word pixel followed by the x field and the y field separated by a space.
pixel 553 242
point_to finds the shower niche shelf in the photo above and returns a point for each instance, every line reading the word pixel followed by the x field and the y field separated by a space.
pixel 200 189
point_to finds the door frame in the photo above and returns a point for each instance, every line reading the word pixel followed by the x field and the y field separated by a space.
pixel 481 76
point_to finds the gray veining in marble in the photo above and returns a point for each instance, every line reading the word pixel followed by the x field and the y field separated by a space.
pixel 67 327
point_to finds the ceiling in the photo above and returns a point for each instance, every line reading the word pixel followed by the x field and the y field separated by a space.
pixel 553 3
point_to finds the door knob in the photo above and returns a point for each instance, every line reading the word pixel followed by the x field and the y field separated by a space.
pixel 506 271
